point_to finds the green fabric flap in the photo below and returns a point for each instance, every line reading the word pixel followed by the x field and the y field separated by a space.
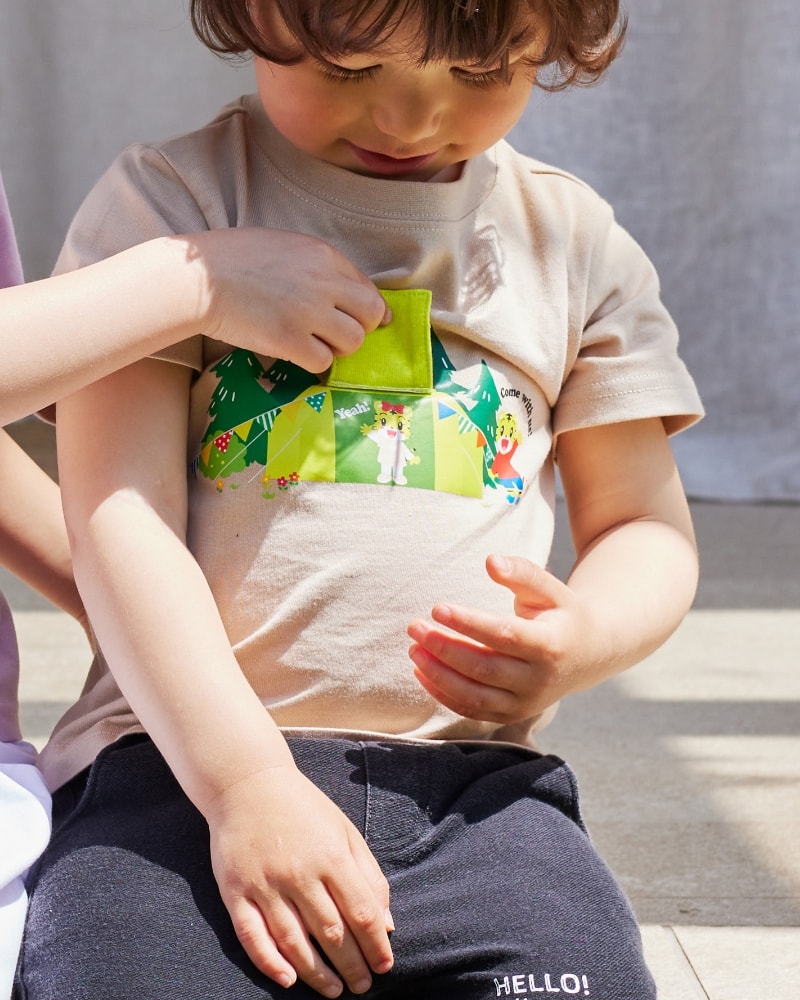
pixel 396 357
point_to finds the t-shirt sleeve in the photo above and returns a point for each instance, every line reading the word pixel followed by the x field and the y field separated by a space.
pixel 140 197
pixel 626 364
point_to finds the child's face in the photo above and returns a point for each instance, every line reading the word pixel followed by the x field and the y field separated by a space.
pixel 379 113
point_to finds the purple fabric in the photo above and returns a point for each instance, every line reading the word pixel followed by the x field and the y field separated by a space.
pixel 10 266
pixel 10 274
pixel 9 674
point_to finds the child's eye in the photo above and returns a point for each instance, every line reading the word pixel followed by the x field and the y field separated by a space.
pixel 484 78
pixel 341 74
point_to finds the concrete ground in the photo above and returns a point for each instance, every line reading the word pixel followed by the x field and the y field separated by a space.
pixel 689 764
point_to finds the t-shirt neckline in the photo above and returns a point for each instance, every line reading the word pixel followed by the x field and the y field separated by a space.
pixel 394 198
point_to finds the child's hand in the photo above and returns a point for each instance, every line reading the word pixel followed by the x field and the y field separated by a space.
pixel 633 580
pixel 286 295
pixel 506 668
pixel 291 868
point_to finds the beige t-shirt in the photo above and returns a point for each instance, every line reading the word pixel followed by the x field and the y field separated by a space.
pixel 328 512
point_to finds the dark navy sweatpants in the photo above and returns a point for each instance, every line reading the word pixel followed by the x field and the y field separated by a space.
pixel 496 891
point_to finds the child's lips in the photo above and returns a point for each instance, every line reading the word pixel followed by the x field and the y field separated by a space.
pixel 390 166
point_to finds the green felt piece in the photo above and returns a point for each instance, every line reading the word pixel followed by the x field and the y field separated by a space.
pixel 396 357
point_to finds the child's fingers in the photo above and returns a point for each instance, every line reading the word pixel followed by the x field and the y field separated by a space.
pixel 370 869
pixel 286 936
pixel 352 922
pixel 346 931
pixel 472 676
pixel 332 336
pixel 509 635
pixel 358 297
pixel 258 943
pixel 533 587
pixel 343 920
pixel 278 943
pixel 453 687
pixel 365 905
pixel 366 305
pixel 306 895
pixel 340 330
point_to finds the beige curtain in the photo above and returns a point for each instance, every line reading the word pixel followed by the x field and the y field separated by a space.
pixel 694 137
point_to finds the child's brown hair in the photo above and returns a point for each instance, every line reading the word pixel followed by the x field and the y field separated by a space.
pixel 583 36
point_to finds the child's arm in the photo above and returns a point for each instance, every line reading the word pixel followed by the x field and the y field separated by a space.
pixel 289 864
pixel 61 333
pixel 33 539
pixel 633 581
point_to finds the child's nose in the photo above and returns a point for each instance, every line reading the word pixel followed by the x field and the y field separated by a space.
pixel 410 116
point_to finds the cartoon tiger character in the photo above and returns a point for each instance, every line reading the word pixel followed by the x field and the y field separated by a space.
pixel 390 430
pixel 507 439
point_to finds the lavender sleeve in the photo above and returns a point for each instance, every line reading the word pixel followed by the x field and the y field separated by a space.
pixel 10 266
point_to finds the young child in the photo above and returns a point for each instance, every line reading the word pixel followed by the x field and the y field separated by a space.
pixel 58 334
pixel 277 761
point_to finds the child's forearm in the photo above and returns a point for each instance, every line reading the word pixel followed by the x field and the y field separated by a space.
pixel 638 582
pixel 636 568
pixel 163 637
pixel 33 537
pixel 149 603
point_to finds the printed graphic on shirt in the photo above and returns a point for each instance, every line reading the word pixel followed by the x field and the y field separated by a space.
pixel 390 430
pixel 397 415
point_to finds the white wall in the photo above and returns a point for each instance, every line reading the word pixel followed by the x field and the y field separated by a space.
pixel 79 79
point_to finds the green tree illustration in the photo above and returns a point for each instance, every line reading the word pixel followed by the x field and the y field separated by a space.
pixel 481 402
pixel 237 399
pixel 228 454
pixel 443 368
pixel 288 381
pixel 239 396
pixel 483 413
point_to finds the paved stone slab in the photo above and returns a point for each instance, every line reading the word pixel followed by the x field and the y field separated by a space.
pixel 690 771
pixel 744 963
pixel 675 978
pixel 55 658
